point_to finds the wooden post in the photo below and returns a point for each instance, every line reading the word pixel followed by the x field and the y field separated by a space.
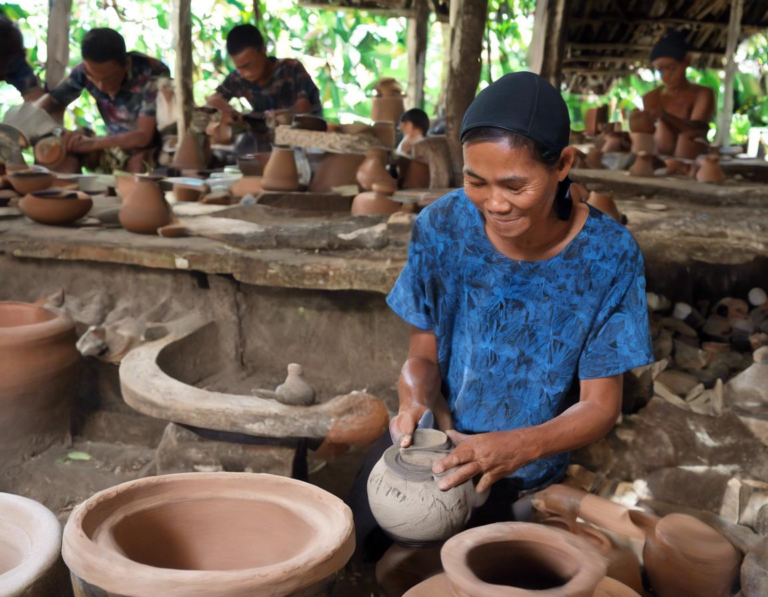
pixel 554 41
pixel 723 137
pixel 445 67
pixel 182 34
pixel 418 32
pixel 58 41
pixel 467 29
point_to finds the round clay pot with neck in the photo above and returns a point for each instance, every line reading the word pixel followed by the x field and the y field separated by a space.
pixel 710 170
pixel 124 184
pixel 56 208
pixel 145 209
pixel 643 165
pixel 212 534
pixel 190 154
pixel 517 559
pixel 374 170
pixel 402 493
pixel 280 173
pixel 39 371
pixel 30 550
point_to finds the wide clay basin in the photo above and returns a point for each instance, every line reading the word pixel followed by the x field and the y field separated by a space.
pixel 30 543
pixel 208 534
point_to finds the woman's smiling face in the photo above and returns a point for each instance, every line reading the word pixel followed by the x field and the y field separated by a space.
pixel 512 190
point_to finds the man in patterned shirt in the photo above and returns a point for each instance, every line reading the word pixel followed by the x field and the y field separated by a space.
pixel 124 85
pixel 14 68
pixel 268 83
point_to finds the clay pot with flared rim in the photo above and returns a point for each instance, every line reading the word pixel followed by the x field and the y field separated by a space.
pixel 280 173
pixel 710 170
pixel 30 550
pixel 402 492
pixel 50 152
pixel 643 142
pixel 517 559
pixel 30 181
pixel 184 193
pixel 212 534
pixel 377 201
pixel 389 108
pixel 643 165
pixel 335 170
pixel 39 371
pixel 386 133
pixel 56 208
pixel 190 154
pixel 374 170
pixel 247 185
pixel 414 174
pixel 640 121
pixel 145 209
pixel 295 390
pixel 605 203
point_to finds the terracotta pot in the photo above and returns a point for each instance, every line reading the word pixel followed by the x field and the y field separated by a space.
pixel 688 148
pixel 246 185
pixel 386 133
pixel 594 119
pixel 374 170
pixel 295 391
pixel 402 492
pixel 710 170
pixel 414 174
pixel 594 159
pixel 212 534
pixel 605 203
pixel 190 154
pixel 676 167
pixel 30 181
pixel 56 208
pixel 30 550
pixel 388 87
pixel 253 164
pixel 145 209
pixel 643 165
pixel 378 201
pixel 640 121
pixel 335 170
pixel 187 194
pixel 39 371
pixel 514 559
pixel 50 152
pixel 124 185
pixel 280 173
pixel 643 142
pixel 388 108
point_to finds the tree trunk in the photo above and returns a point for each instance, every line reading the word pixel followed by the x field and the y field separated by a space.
pixel 734 32
pixel 183 84
pixel 554 44
pixel 418 33
pixel 445 67
pixel 58 41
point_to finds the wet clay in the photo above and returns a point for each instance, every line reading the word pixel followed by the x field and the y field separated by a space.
pixel 280 173
pixel 145 209
pixel 56 208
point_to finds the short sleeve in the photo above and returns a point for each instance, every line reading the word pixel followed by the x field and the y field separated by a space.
pixel 306 88
pixel 620 338
pixel 410 299
pixel 70 88
pixel 228 88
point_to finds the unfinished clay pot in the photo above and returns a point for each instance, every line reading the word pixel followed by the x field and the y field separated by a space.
pixel 124 185
pixel 388 108
pixel 605 203
pixel 30 181
pixel 402 493
pixel 56 208
pixel 374 170
pixel 190 154
pixel 295 391
pixel 39 371
pixel 643 165
pixel 640 121
pixel 212 534
pixel 710 170
pixel 335 170
pixel 643 142
pixel 516 559
pixel 280 173
pixel 50 152
pixel 30 550
pixel 594 118
pixel 145 209
pixel 377 201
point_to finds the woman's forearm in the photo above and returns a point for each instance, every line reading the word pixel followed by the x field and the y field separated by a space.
pixel 419 382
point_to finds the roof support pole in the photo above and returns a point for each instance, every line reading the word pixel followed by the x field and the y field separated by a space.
pixel 59 12
pixel 734 32
pixel 418 36
pixel 554 42
pixel 182 33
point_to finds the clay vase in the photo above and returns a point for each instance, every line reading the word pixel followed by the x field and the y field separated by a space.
pixel 186 193
pixel 212 534
pixel 594 119
pixel 385 132
pixel 295 391
pixel 377 201
pixel 710 170
pixel 39 371
pixel 388 108
pixel 50 152
pixel 640 121
pixel 414 174
pixel 335 170
pixel 643 142
pixel 145 209
pixel 517 559
pixel 643 165
pixel 56 208
pixel 280 173
pixel 30 550
pixel 374 170
pixel 124 185
pixel 402 493
pixel 189 154
pixel 605 203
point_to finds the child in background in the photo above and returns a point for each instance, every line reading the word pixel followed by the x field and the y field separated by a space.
pixel 414 125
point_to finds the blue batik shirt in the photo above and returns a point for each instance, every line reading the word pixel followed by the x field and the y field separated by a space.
pixel 513 336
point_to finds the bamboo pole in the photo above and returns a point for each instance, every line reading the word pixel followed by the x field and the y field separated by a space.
pixel 417 40
pixel 723 137
pixel 183 84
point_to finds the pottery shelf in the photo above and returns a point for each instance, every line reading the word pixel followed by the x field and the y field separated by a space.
pixel 330 142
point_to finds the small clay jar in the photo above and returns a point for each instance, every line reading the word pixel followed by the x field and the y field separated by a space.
pixel 643 142
pixel 640 121
pixel 388 108
pixel 374 170
pixel 295 391
pixel 190 154
pixel 605 203
pixel 280 173
pixel 377 201
pixel 710 170
pixel 145 209
pixel 643 165
pixel 403 492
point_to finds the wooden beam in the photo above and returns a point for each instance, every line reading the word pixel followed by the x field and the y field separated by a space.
pixel 57 42
pixel 554 44
pixel 183 83
pixel 723 137
pixel 369 8
pixel 418 36
pixel 613 20
pixel 593 72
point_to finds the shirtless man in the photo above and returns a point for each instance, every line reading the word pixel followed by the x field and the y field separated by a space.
pixel 683 109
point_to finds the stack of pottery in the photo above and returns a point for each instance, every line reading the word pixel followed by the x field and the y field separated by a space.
pixel 615 139
pixel 373 170
pixel 55 207
pixel 403 492
pixel 388 103
pixel 145 209
pixel 642 132
pixel 213 534
pixel 710 170
pixel 39 371
pixel 594 119
pixel 280 173
pixel 377 201
pixel 643 165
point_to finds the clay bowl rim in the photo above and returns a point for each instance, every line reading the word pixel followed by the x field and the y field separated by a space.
pixel 58 323
pixel 32 197
pixel 112 571
pixel 45 538
pixel 50 177
pixel 454 553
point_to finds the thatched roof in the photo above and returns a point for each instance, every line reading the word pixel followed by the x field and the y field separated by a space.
pixel 606 39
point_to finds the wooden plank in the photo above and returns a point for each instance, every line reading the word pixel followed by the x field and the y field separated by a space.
pixel 723 137
pixel 668 22
pixel 57 42
pixel 416 42
pixel 330 142
pixel 371 8
pixel 182 32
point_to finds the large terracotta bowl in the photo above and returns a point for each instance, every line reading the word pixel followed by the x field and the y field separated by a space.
pixel 30 181
pixel 212 534
pixel 56 207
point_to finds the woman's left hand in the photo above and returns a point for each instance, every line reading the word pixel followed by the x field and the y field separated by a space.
pixel 492 455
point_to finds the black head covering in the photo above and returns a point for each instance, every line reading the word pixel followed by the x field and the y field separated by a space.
pixel 672 45
pixel 525 104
